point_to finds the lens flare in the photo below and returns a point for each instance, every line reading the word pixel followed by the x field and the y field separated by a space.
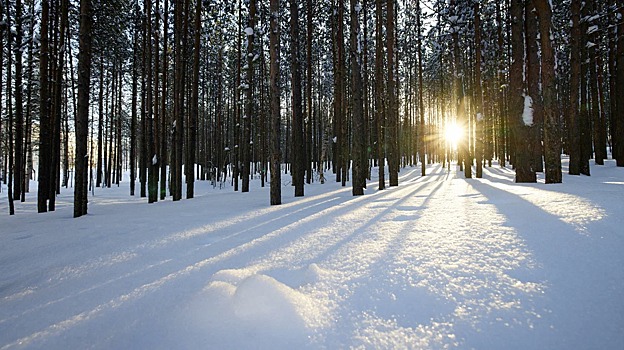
pixel 453 134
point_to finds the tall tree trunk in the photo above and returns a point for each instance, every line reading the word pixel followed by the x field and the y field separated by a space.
pixel 421 106
pixel 574 139
pixel 595 85
pixel 552 140
pixel 478 93
pixel 18 166
pixel 154 121
pixel 163 112
pixel 133 118
pixel 359 167
pixel 308 92
pixel 584 116
pixel 44 110
pixel 533 83
pixel 179 92
pixel 379 93
pixel 249 110
pixel 190 175
pixel 298 168
pixel 518 99
pixel 9 79
pixel 82 116
pixel 275 138
pixel 392 91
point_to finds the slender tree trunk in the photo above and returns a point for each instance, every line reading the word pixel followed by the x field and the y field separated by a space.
pixel 2 44
pixel 522 158
pixel 309 107
pixel 379 93
pixel 44 110
pixel 392 91
pixel 9 79
pixel 478 93
pixel 421 106
pixel 179 92
pixel 191 154
pixel 359 167
pixel 249 110
pixel 163 112
pixel 298 168
pixel 574 139
pixel 18 167
pixel 533 83
pixel 82 116
pixel 133 119
pixel 275 138
pixel 552 140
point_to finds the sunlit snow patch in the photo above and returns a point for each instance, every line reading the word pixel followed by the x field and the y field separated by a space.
pixel 245 308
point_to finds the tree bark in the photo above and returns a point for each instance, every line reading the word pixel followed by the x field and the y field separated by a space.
pixel 359 167
pixel 552 140
pixel 574 139
pixel 298 168
pixel 18 167
pixel 522 158
pixel 478 93
pixel 249 110
pixel 276 155
pixel 194 115
pixel 379 93
pixel 82 116
pixel 44 110
pixel 393 114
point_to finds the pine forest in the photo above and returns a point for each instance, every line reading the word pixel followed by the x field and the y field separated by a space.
pixel 173 92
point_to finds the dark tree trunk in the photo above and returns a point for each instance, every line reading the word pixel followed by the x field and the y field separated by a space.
pixel 522 154
pixel 82 116
pixel 163 112
pixel 392 90
pixel 154 103
pixel 478 94
pixel 379 93
pixel 533 85
pixel 298 168
pixel 133 120
pixel 18 166
pixel 191 154
pixel 552 140
pixel 249 110
pixel 44 110
pixel 276 155
pixel 574 139
pixel 421 106
pixel 359 167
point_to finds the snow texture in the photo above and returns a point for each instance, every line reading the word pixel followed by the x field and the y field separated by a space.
pixel 527 112
pixel 439 262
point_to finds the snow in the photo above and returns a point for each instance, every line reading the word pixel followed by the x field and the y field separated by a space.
pixel 438 262
pixel 249 31
pixel 527 112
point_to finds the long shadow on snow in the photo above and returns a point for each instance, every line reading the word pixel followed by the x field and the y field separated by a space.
pixel 567 266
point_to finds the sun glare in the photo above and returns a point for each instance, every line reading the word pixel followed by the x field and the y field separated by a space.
pixel 453 134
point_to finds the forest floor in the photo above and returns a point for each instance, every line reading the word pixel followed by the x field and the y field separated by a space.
pixel 438 262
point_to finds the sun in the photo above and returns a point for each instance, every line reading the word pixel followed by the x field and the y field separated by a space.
pixel 453 134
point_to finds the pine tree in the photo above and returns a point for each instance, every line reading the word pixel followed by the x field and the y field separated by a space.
pixel 82 116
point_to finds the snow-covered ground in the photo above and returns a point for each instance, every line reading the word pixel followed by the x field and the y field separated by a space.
pixel 438 262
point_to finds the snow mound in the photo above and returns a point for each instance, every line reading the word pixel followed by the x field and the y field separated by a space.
pixel 243 309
